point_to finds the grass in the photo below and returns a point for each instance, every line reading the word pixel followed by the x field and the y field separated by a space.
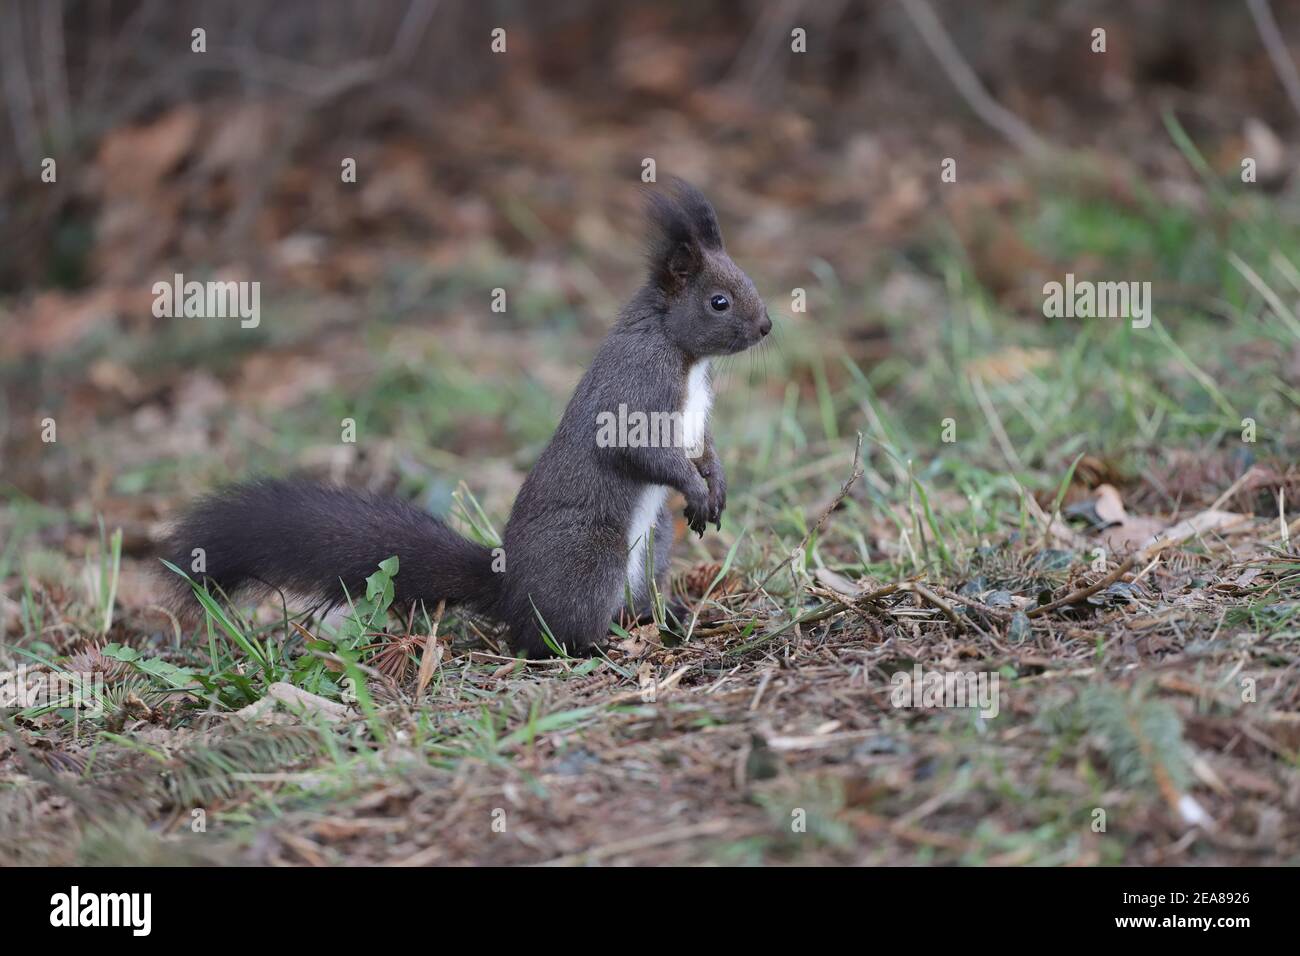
pixel 758 728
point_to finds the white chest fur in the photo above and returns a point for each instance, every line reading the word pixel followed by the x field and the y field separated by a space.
pixel 695 423
pixel 699 401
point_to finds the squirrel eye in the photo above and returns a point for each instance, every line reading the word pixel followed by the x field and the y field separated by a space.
pixel 720 303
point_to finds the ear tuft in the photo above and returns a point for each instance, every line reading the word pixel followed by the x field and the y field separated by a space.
pixel 682 225
pixel 698 211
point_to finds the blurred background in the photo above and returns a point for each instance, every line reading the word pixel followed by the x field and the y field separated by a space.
pixel 519 170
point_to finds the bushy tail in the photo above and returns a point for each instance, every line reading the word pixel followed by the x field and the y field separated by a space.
pixel 310 541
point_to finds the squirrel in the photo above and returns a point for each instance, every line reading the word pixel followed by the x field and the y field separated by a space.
pixel 578 533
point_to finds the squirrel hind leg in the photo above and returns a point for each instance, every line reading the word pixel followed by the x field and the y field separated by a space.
pixel 580 630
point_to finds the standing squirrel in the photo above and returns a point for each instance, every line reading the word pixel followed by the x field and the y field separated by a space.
pixel 577 534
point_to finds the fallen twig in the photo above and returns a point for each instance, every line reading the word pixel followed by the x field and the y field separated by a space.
pixel 922 591
pixel 1074 597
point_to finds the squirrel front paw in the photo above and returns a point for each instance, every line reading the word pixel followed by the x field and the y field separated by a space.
pixel 716 479
pixel 698 505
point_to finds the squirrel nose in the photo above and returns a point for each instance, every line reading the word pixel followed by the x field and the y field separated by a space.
pixel 765 326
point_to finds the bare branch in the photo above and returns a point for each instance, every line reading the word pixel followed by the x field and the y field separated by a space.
pixel 1283 65
pixel 1012 127
pixel 54 71
pixel 18 88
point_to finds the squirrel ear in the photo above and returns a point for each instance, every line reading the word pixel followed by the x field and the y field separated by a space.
pixel 674 254
pixel 682 224
pixel 683 262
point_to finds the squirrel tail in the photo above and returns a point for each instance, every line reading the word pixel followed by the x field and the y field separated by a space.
pixel 311 541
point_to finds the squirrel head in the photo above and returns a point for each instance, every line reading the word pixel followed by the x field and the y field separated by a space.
pixel 710 307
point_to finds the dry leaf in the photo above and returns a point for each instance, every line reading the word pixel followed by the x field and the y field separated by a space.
pixel 1127 531
pixel 1206 521
pixel 639 640
pixel 295 699
pixel 432 655
pixel 1109 505
pixel 645 678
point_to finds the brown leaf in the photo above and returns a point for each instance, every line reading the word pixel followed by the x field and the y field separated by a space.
pixel 1109 505
pixel 639 641
pixel 1203 523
